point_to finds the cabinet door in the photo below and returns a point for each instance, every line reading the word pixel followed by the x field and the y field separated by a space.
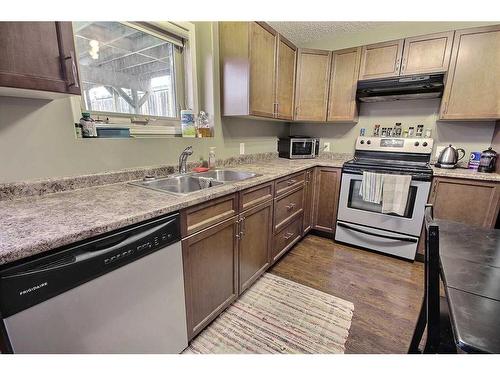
pixel 311 94
pixel 381 60
pixel 262 69
pixel 472 88
pixel 210 273
pixel 255 243
pixel 343 84
pixel 326 196
pixel 427 54
pixel 285 78
pixel 308 201
pixel 466 201
pixel 38 56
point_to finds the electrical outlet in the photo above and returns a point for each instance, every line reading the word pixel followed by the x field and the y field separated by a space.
pixel 242 148
pixel 326 146
pixel 439 149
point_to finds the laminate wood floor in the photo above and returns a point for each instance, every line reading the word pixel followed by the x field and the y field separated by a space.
pixel 386 292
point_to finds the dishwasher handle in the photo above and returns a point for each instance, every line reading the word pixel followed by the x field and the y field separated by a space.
pixel 404 239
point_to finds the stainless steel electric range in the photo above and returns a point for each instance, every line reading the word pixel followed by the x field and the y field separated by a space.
pixel 362 223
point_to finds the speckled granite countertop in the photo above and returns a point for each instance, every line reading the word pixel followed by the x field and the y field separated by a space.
pixel 33 225
pixel 466 173
pixel 36 224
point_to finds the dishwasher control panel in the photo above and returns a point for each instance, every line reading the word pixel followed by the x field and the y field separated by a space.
pixel 26 284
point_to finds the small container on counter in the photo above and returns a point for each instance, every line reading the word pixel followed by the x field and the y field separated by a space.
pixel 405 133
pixel 211 158
pixel 397 130
pixel 390 132
pixel 384 132
pixel 420 131
pixel 362 132
pixel 428 133
pixel 411 131
pixel 78 130
pixel 474 160
pixel 376 130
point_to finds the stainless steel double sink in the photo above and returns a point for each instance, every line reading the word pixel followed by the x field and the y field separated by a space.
pixel 193 182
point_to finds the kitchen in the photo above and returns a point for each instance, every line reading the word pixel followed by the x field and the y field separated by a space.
pixel 245 187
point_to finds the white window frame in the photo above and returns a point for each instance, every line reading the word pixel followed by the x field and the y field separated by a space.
pixel 185 80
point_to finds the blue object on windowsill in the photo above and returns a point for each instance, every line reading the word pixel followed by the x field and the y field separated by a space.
pixel 113 132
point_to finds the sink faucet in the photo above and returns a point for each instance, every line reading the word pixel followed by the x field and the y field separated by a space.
pixel 188 151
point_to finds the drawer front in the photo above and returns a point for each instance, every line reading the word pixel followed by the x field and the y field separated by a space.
pixel 256 195
pixel 286 238
pixel 287 208
pixel 196 218
pixel 288 183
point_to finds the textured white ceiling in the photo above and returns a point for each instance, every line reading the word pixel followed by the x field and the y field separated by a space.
pixel 302 33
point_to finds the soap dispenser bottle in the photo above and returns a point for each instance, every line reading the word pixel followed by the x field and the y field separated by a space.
pixel 211 158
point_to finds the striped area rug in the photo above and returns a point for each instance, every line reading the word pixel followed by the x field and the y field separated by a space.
pixel 277 315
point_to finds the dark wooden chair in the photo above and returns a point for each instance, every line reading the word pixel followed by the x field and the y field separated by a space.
pixel 434 312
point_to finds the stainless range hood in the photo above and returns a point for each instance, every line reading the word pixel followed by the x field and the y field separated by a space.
pixel 425 86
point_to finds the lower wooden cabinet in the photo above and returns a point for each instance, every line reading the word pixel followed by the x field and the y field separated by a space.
pixel 467 201
pixel 254 243
pixel 286 238
pixel 308 201
pixel 326 196
pixel 210 273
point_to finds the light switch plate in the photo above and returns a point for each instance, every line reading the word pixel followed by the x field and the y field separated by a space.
pixel 242 148
pixel 326 146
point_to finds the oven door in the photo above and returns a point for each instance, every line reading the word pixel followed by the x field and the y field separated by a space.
pixel 302 148
pixel 353 209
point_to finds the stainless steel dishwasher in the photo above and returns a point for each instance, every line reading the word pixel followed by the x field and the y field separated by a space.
pixel 120 293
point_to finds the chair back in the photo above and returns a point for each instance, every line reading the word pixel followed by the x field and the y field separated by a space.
pixel 432 280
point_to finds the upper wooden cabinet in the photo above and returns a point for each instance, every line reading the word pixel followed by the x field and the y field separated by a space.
pixel 311 90
pixel 343 82
pixel 427 54
pixel 416 55
pixel 38 56
pixel 285 78
pixel 262 51
pixel 472 90
pixel 257 71
pixel 381 59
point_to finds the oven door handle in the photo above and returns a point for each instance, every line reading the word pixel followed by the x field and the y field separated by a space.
pixel 405 239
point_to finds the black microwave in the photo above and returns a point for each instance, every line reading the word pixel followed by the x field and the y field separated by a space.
pixel 298 147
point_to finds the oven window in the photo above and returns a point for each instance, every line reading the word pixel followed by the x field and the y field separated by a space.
pixel 302 148
pixel 356 201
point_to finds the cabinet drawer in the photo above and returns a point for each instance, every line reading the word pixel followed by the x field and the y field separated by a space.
pixel 206 214
pixel 288 183
pixel 256 195
pixel 286 238
pixel 288 207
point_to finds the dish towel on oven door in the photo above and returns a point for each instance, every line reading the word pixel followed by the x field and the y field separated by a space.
pixel 395 189
pixel 371 187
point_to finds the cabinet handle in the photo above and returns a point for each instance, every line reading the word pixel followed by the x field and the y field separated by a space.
pixel 397 65
pixel 277 109
pixel 287 236
pixel 291 182
pixel 291 206
pixel 242 228
pixel 74 74
pixel 403 67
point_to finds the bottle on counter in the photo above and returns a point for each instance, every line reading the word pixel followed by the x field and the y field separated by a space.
pixel 420 131
pixel 390 132
pixel 384 132
pixel 397 129
pixel 376 130
pixel 428 133
pixel 211 158
pixel 405 133
pixel 78 130
pixel 411 131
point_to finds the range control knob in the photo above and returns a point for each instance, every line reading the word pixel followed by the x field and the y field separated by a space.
pixel 416 143
pixel 368 142
pixel 424 144
pixel 362 142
